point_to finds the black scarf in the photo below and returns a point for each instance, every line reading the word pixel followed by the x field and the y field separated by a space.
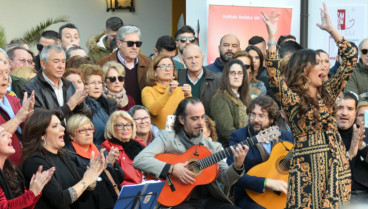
pixel 132 148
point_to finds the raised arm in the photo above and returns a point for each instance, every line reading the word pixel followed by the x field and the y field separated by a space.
pixel 347 53
pixel 283 94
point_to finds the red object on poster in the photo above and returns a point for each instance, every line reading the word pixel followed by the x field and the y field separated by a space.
pixel 242 21
pixel 341 16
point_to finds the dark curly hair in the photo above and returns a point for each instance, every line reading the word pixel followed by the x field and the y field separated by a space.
pixel 268 104
pixel 299 65
pixel 181 111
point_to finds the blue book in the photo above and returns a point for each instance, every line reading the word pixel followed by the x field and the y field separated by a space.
pixel 139 196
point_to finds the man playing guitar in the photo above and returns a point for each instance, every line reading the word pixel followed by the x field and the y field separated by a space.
pixel 188 125
pixel 263 112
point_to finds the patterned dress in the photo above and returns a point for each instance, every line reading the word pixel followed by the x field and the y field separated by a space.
pixel 319 173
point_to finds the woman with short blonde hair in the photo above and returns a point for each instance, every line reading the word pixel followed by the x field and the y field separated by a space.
pixel 120 132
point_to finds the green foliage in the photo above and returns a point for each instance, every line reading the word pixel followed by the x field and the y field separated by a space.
pixel 33 35
pixel 2 37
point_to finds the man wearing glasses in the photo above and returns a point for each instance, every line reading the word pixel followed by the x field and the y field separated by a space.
pixel 358 80
pixel 184 37
pixel 19 57
pixel 128 39
pixel 263 112
pixel 229 45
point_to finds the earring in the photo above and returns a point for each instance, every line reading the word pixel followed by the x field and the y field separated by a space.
pixel 44 141
pixel 307 84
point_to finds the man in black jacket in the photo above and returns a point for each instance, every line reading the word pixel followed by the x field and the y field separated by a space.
pixel 52 91
pixel 355 146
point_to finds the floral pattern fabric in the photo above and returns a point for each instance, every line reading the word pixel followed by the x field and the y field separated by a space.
pixel 319 172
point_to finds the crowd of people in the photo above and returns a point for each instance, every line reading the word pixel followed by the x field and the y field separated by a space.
pixel 77 125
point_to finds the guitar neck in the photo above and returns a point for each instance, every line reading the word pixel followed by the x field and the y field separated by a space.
pixel 218 156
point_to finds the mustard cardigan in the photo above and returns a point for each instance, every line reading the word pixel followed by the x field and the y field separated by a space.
pixel 160 103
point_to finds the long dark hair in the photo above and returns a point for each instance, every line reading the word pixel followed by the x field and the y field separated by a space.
pixel 225 83
pixel 260 55
pixel 181 111
pixel 34 129
pixel 14 179
pixel 298 67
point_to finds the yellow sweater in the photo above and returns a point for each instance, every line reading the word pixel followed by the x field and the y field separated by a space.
pixel 160 103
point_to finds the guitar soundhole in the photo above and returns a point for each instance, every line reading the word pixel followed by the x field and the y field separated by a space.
pixel 283 166
pixel 194 167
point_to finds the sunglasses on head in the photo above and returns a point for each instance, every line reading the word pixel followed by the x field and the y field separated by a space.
pixel 184 39
pixel 364 51
pixel 131 43
pixel 113 78
pixel 39 47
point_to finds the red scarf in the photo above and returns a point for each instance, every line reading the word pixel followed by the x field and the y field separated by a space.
pixel 86 154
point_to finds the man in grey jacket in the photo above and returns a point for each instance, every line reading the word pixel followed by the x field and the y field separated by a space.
pixel 188 125
pixel 204 83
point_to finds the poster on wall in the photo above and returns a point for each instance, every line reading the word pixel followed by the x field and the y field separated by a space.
pixel 350 22
pixel 242 21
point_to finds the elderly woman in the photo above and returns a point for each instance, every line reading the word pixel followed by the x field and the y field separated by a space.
pixel 12 192
pixel 114 85
pixel 75 76
pixel 163 94
pixel 101 106
pixel 43 145
pixel 228 106
pixel 145 130
pixel 12 112
pixel 121 132
pixel 256 87
pixel 80 130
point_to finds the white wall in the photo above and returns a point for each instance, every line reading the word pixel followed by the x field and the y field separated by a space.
pixel 152 17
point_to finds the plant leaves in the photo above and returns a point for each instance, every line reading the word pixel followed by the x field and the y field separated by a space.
pixel 33 35
pixel 2 37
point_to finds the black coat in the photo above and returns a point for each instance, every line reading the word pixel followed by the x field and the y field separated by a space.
pixel 104 195
pixel 45 97
pixel 55 194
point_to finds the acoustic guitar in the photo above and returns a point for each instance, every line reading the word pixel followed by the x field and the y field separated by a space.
pixel 203 163
pixel 277 168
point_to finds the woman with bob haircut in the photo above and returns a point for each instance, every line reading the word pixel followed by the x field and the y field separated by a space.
pixel 320 176
pixel 80 130
pixel 101 106
pixel 120 132
pixel 114 77
pixel 229 104
pixel 163 94
pixel 43 144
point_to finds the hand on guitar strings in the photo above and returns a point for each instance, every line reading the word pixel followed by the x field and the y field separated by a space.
pixel 239 153
pixel 182 173
pixel 277 185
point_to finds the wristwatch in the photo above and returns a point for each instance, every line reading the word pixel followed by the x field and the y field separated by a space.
pixel 363 146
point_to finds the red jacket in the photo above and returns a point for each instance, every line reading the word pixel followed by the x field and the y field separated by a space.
pixel 15 104
pixel 27 200
pixel 131 175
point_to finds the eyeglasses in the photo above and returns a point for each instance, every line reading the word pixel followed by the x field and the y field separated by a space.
pixel 364 51
pixel 253 116
pixel 165 67
pixel 112 79
pixel 247 67
pixel 120 126
pixel 24 61
pixel 39 47
pixel 95 83
pixel 184 39
pixel 233 73
pixel 85 130
pixel 131 43
pixel 141 120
